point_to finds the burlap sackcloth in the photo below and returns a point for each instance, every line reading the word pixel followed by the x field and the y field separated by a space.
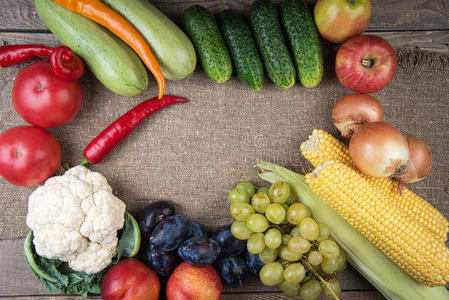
pixel 194 153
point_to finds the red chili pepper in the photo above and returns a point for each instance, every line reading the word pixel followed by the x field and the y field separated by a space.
pixel 66 64
pixel 17 54
pixel 100 146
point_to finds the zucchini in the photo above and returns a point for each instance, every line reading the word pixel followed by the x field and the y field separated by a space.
pixel 267 30
pixel 304 42
pixel 242 47
pixel 202 28
pixel 170 45
pixel 109 59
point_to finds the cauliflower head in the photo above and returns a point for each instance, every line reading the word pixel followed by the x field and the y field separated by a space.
pixel 75 218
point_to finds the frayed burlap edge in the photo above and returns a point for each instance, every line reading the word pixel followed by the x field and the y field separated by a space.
pixel 422 59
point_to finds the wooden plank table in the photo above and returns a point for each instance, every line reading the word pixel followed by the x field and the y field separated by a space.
pixel 414 24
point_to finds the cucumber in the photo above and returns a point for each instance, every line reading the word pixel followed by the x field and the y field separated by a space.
pixel 304 42
pixel 170 45
pixel 109 59
pixel 267 30
pixel 242 47
pixel 202 28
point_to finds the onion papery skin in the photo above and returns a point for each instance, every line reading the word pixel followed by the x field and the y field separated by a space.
pixel 354 110
pixel 379 150
pixel 420 161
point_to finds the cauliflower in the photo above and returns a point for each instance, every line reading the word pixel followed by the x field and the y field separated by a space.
pixel 75 218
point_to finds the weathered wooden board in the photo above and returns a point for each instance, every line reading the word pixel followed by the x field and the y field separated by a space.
pixel 437 41
pixel 350 295
pixel 422 24
pixel 387 15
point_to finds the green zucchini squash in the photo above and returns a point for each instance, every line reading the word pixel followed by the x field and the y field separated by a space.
pixel 242 47
pixel 202 28
pixel 109 59
pixel 170 45
pixel 267 30
pixel 304 41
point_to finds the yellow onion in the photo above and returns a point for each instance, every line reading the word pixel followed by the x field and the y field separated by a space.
pixel 419 163
pixel 354 110
pixel 379 150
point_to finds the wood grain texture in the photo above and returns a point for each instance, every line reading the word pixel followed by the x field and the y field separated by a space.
pixel 350 295
pixel 422 24
pixel 387 15
pixel 13 260
pixel 437 41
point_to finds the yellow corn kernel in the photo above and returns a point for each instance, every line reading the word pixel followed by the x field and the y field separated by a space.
pixel 405 241
pixel 322 147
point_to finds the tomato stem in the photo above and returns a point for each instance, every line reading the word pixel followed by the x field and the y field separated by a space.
pixel 85 162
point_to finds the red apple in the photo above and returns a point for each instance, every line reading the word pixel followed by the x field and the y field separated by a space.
pixel 338 20
pixel 188 282
pixel 130 279
pixel 365 63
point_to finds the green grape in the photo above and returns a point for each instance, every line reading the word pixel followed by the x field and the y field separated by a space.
pixel 309 212
pixel 315 258
pixel 310 290
pixel 264 190
pixel 341 261
pixel 335 286
pixel 279 191
pixel 309 275
pixel 329 265
pixel 237 195
pixel 296 212
pixel 241 211
pixel 246 186
pixel 330 238
pixel 285 239
pixel 291 199
pixel 298 245
pixel 256 243
pixel 309 229
pixel 329 249
pixel 285 206
pixel 289 255
pixel 268 255
pixel 316 268
pixel 295 231
pixel 257 223
pixel 324 232
pixel 260 201
pixel 273 238
pixel 294 273
pixel 271 274
pixel 275 213
pixel 289 289
pixel 240 231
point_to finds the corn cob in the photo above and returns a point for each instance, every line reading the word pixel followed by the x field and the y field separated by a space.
pixel 366 258
pixel 322 147
pixel 406 242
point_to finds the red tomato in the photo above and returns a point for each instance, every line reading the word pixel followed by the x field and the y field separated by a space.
pixel 43 99
pixel 28 155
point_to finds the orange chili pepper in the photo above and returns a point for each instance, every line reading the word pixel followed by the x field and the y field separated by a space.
pixel 102 14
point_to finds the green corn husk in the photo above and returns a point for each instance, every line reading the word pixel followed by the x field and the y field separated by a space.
pixel 366 258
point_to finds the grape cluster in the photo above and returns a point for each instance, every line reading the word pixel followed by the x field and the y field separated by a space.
pixel 297 253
